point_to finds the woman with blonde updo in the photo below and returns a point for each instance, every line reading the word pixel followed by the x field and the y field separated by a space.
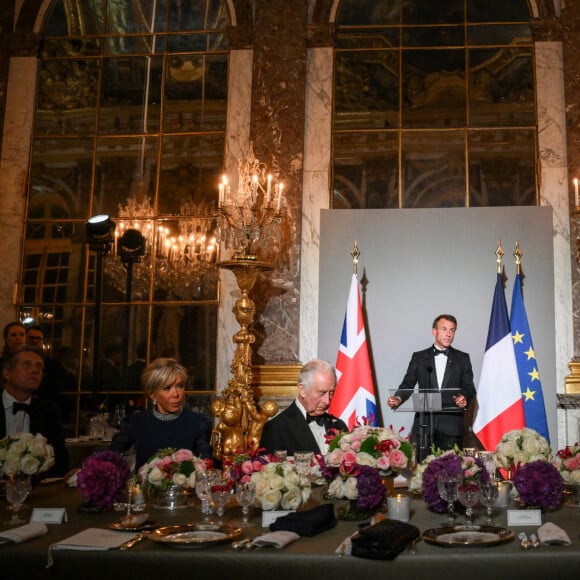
pixel 168 423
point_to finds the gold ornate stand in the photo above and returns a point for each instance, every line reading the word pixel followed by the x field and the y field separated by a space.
pixel 240 422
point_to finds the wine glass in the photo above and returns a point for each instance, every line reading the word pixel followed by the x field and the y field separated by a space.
pixel 448 488
pixel 245 494
pixel 17 490
pixel 303 460
pixel 488 494
pixel 469 497
pixel 221 490
pixel 203 480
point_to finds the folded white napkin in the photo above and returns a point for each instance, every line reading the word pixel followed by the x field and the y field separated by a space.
pixel 279 539
pixel 345 547
pixel 24 533
pixel 550 533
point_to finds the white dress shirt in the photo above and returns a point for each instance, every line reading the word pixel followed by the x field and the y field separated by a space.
pixel 318 431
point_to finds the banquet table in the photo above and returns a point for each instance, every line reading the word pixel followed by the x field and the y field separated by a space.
pixel 312 557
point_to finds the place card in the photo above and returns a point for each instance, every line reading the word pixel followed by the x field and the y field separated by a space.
pixel 270 516
pixel 524 517
pixel 49 515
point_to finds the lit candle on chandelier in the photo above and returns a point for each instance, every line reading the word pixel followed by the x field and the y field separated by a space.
pixel 226 189
pixel 269 190
pixel 279 200
pixel 576 191
pixel 254 189
pixel 221 195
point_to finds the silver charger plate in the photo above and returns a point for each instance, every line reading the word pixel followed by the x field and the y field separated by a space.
pixel 194 535
pixel 468 536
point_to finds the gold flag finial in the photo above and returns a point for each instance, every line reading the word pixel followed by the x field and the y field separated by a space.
pixel 499 253
pixel 355 254
pixel 518 257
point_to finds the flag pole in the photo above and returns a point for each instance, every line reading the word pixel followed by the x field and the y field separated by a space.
pixel 355 254
pixel 518 257
pixel 499 253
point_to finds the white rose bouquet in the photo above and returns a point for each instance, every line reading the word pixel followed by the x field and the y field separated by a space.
pixel 171 467
pixel 278 486
pixel 521 446
pixel 25 453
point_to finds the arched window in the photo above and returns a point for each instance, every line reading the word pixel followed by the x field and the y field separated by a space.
pixel 434 104
pixel 130 122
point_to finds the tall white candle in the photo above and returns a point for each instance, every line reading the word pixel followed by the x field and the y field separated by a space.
pixel 269 190
pixel 279 200
pixel 576 191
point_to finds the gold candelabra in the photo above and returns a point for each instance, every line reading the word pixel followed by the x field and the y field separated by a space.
pixel 250 217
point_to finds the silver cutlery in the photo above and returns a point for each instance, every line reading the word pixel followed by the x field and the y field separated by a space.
pixel 131 543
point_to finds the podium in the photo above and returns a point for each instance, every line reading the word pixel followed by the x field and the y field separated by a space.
pixel 425 403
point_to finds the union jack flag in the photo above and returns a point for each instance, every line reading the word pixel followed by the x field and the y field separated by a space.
pixel 354 397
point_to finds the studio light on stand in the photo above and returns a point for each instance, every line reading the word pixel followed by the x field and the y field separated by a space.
pixel 131 247
pixel 100 230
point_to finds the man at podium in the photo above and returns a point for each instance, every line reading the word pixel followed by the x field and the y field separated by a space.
pixel 446 389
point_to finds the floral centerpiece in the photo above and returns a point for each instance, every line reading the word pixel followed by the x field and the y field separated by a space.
pixel 453 463
pixel 243 464
pixel 539 484
pixel 357 463
pixel 521 446
pixel 171 467
pixel 102 480
pixel 26 454
pixel 568 463
pixel 279 486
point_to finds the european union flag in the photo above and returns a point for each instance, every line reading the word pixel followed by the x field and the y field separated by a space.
pixel 530 383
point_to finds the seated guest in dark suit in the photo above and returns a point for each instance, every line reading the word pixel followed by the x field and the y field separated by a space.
pixel 302 426
pixel 25 413
pixel 448 370
pixel 168 423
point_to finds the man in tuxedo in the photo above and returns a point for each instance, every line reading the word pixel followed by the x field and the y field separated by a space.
pixel 304 424
pixel 24 413
pixel 439 368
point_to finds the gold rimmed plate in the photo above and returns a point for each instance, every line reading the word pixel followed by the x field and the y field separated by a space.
pixel 195 535
pixel 146 526
pixel 468 536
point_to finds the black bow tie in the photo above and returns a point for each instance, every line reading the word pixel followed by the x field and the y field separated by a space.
pixel 20 407
pixel 445 352
pixel 322 420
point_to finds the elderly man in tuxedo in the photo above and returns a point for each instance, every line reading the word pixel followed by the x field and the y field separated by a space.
pixel 24 413
pixel 304 424
pixel 447 370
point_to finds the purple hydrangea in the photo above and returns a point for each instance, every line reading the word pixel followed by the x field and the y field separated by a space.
pixel 103 478
pixel 539 484
pixel 369 484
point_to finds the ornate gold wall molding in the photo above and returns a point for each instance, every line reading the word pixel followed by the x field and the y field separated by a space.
pixel 271 381
pixel 573 379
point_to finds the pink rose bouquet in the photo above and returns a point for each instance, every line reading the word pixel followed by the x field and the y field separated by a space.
pixel 171 467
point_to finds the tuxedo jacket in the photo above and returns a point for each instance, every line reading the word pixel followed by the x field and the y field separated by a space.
pixel 45 419
pixel 289 430
pixel 458 379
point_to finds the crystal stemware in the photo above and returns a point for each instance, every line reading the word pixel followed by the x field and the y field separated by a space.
pixel 303 461
pixel 221 490
pixel 17 490
pixel 448 488
pixel 469 497
pixel 203 481
pixel 245 494
pixel 488 494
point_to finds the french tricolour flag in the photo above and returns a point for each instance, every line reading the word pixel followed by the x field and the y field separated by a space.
pixel 354 397
pixel 499 398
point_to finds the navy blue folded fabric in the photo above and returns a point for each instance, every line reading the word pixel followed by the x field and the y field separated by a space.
pixel 308 522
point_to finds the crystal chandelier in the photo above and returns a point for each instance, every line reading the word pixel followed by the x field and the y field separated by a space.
pixel 250 212
pixel 182 251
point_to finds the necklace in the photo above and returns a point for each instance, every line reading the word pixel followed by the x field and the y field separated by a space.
pixel 166 416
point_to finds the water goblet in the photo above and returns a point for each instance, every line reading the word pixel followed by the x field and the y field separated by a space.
pixel 203 481
pixel 221 491
pixel 245 494
pixel 469 497
pixel 17 490
pixel 448 488
pixel 488 494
